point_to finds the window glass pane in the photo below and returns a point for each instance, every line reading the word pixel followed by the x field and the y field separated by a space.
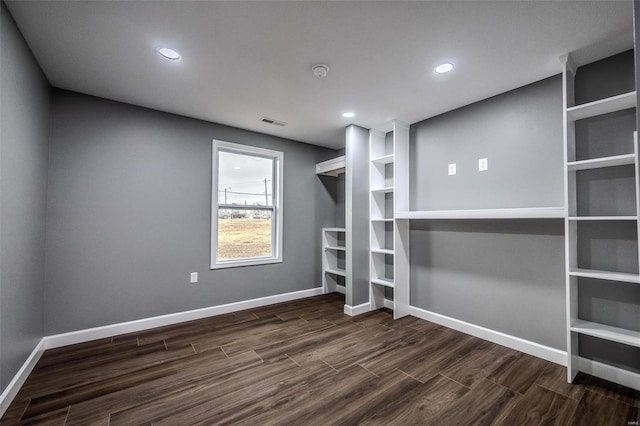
pixel 244 234
pixel 245 179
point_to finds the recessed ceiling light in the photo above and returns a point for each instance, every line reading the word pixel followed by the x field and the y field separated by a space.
pixel 169 53
pixel 236 167
pixel 443 68
pixel 348 114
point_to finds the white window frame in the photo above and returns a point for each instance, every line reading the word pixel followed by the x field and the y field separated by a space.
pixel 276 209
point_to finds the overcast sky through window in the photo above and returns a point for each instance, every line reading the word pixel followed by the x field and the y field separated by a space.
pixel 243 178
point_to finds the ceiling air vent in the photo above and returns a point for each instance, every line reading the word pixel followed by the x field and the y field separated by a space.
pixel 272 121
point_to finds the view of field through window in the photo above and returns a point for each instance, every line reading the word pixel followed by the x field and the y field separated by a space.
pixel 244 180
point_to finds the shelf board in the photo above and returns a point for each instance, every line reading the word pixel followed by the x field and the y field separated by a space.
pixel 332 167
pixel 385 159
pixel 335 248
pixel 606 275
pixel 383 281
pixel 607 332
pixel 603 218
pixel 382 190
pixel 382 251
pixel 515 213
pixel 341 272
pixel 602 106
pixel 599 163
pixel 382 220
pixel 334 229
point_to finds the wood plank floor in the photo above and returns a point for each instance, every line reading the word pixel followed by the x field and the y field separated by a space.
pixel 306 363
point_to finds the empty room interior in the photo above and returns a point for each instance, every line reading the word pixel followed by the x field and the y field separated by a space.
pixel 319 212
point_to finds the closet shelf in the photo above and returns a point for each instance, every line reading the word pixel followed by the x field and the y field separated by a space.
pixel 339 248
pixel 606 275
pixel 384 282
pixel 607 332
pixel 335 229
pixel 332 167
pixel 387 220
pixel 602 106
pixel 341 272
pixel 602 218
pixel 599 163
pixel 386 159
pixel 512 213
pixel 386 190
pixel 382 251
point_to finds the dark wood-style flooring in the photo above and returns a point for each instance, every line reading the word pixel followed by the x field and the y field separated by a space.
pixel 306 363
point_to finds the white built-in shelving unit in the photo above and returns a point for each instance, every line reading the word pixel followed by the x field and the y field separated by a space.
pixel 334 270
pixel 334 250
pixel 577 267
pixel 388 237
pixel 381 254
pixel 332 167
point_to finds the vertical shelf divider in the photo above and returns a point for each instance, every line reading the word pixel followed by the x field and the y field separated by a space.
pixel 401 227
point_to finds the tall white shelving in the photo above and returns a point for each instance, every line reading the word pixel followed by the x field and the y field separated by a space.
pixel 381 184
pixel 576 219
pixel 334 250
pixel 333 260
pixel 388 266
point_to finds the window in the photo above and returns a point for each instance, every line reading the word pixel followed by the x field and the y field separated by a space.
pixel 246 205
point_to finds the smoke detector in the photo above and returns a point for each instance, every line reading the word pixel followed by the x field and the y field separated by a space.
pixel 320 70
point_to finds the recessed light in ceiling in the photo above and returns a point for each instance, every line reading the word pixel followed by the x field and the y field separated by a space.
pixel 170 54
pixel 443 68
pixel 348 114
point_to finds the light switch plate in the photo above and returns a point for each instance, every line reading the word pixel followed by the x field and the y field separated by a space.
pixel 194 277
pixel 452 169
pixel 483 164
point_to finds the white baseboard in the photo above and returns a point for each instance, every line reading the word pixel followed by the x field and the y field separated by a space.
pixel 18 380
pixel 388 303
pixel 86 335
pixel 357 310
pixel 341 289
pixel 541 351
pixel 608 372
pixel 80 336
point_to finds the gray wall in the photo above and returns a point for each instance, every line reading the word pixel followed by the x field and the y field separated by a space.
pixel 24 132
pixel 520 132
pixel 129 215
pixel 504 275
pixel 357 151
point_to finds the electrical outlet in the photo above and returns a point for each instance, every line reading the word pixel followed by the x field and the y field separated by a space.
pixel 483 164
pixel 194 277
pixel 452 169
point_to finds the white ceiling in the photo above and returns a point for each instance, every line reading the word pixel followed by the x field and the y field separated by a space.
pixel 242 60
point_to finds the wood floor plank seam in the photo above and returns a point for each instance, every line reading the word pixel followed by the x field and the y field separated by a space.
pixel 306 362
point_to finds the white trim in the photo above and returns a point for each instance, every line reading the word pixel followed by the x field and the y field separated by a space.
pixel 80 336
pixel 341 289
pixel 609 372
pixel 388 303
pixel 18 380
pixel 276 209
pixel 86 335
pixel 509 213
pixel 352 311
pixel 532 348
